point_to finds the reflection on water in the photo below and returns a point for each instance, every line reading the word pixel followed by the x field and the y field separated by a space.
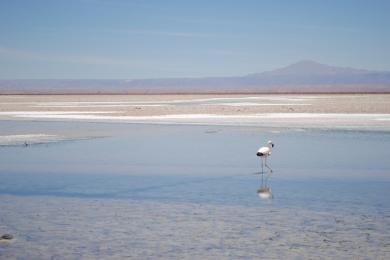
pixel 265 193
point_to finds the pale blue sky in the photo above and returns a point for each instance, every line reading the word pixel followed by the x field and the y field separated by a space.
pixel 152 39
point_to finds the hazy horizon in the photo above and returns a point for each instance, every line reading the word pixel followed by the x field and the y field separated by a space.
pixel 303 64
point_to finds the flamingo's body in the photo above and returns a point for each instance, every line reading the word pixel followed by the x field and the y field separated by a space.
pixel 264 151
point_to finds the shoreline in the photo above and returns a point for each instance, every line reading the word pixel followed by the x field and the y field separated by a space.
pixel 345 111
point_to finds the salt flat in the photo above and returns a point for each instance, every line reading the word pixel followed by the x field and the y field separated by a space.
pixel 346 111
pixel 193 104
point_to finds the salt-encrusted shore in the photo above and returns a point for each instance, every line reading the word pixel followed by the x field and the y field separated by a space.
pixel 356 111
pixel 194 104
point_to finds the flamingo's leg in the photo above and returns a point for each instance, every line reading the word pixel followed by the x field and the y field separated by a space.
pixel 266 165
pixel 262 165
pixel 262 171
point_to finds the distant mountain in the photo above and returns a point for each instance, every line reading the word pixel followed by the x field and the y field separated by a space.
pixel 310 72
pixel 303 76
pixel 312 68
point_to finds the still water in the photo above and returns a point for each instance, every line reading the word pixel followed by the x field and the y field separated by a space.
pixel 330 189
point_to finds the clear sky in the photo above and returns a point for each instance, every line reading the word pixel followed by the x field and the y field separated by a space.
pixel 149 39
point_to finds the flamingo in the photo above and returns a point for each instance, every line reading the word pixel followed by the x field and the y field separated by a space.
pixel 263 153
pixel 265 191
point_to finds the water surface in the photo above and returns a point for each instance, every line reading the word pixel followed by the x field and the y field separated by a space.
pixel 180 191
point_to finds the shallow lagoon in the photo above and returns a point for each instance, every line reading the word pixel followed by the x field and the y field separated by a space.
pixel 181 191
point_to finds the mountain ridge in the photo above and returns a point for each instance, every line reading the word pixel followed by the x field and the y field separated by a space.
pixel 312 67
pixel 302 76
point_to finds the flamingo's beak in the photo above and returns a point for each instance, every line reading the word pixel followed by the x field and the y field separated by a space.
pixel 273 145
